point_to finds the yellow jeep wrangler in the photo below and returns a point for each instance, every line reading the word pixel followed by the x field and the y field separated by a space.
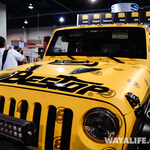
pixel 90 92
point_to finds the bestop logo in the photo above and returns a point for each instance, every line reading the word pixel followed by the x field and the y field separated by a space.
pixel 61 83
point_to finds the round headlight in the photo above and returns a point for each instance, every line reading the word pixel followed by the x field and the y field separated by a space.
pixel 100 123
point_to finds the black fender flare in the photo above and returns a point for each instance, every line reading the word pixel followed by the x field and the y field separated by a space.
pixel 142 127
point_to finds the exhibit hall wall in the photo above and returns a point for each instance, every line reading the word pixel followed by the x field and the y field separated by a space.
pixel 25 34
pixel 3 20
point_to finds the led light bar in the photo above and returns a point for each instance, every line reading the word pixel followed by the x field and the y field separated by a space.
pixel 17 130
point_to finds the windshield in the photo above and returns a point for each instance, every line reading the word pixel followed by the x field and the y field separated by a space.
pixel 127 42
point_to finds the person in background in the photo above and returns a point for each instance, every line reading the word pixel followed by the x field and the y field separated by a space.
pixel 12 56
pixel 19 50
pixel 10 47
pixel 45 43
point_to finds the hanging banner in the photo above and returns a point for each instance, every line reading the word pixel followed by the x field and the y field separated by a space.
pixel 119 18
pixel 142 16
pixel 83 19
pixel 133 17
pixel 95 19
pixel 106 18
pixel 145 16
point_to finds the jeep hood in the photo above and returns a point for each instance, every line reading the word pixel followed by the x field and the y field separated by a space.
pixel 107 82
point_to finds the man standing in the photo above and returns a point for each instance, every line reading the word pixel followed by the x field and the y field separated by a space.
pixel 12 56
pixel 19 50
pixel 45 43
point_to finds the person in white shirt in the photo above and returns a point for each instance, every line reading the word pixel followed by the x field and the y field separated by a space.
pixel 12 56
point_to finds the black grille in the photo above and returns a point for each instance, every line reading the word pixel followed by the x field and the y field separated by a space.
pixel 24 109
pixel 64 139
pixel 12 107
pixel 50 128
pixel 66 129
pixel 36 119
pixel 2 102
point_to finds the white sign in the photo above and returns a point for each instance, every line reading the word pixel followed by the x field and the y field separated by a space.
pixel 124 7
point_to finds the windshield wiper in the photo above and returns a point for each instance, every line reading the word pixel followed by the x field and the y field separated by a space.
pixel 115 59
pixel 71 57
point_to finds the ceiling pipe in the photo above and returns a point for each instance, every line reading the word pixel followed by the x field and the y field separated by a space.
pixel 60 13
pixel 62 5
pixel 73 12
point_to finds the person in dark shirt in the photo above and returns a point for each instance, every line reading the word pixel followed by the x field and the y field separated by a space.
pixel 20 51
pixel 45 43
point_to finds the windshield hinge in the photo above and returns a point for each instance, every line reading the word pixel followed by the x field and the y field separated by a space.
pixel 135 101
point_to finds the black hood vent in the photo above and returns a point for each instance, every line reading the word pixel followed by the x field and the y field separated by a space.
pixel 83 70
pixel 74 62
pixel 30 69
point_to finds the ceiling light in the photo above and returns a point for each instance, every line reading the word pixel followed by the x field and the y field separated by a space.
pixel 61 19
pixel 93 0
pixel 26 22
pixel 30 6
pixel 22 26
